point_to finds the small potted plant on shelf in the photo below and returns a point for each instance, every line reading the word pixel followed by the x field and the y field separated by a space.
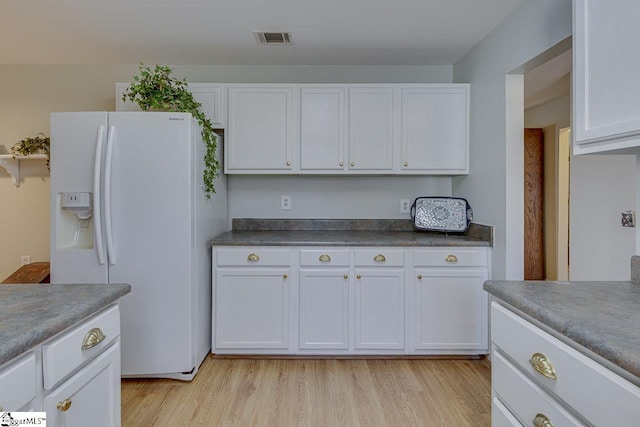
pixel 28 146
pixel 158 90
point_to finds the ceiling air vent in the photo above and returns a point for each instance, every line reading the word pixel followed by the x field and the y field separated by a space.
pixel 272 38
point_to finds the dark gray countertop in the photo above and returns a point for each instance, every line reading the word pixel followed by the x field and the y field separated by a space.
pixel 31 314
pixel 346 232
pixel 601 317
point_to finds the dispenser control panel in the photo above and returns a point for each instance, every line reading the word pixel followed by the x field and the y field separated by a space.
pixel 76 200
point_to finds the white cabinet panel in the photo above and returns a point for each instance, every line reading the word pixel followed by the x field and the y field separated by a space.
pixel 450 309
pixel 92 395
pixel 605 71
pixel 379 309
pixel 252 308
pixel 260 130
pixel 322 128
pixel 324 309
pixel 18 383
pixel 435 129
pixel 371 128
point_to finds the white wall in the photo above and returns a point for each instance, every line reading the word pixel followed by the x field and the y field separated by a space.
pixel 602 187
pixel 530 30
pixel 29 93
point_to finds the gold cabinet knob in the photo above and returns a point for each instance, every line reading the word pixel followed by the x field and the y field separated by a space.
pixel 379 258
pixel 543 366
pixel 352 163
pixel 451 259
pixel 324 258
pixel 285 275
pixel 541 420
pixel 346 276
pixel 358 276
pixel 64 405
pixel 94 337
pixel 341 163
pixel 288 163
pixel 253 258
pixel 405 164
pixel 419 276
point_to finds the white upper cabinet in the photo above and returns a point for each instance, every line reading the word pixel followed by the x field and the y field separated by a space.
pixel 322 129
pixel 261 129
pixel 435 129
pixel 371 128
pixel 208 94
pixel 606 66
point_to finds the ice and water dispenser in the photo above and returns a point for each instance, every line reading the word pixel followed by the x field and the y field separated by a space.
pixel 75 221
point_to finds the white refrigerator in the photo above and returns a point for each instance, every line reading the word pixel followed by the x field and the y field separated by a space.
pixel 127 206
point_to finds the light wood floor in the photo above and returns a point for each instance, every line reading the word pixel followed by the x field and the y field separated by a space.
pixel 315 392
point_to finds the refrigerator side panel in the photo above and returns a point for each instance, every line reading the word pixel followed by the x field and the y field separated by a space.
pixel 74 252
pixel 151 210
pixel 210 220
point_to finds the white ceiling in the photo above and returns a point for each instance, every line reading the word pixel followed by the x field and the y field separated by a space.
pixel 331 32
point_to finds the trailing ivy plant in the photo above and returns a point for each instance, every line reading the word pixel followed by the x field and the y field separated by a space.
pixel 158 90
pixel 38 144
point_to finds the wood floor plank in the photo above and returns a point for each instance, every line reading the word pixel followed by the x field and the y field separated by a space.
pixel 315 392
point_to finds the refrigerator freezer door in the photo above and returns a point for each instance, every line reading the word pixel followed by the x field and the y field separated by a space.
pixel 151 216
pixel 74 138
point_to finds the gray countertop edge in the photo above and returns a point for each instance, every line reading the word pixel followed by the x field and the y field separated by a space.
pixel 343 238
pixel 598 319
pixel 31 314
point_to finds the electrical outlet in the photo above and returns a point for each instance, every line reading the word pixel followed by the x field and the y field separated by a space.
pixel 285 203
pixel 405 205
pixel 25 259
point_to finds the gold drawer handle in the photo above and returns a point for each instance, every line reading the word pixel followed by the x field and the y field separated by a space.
pixel 379 258
pixel 419 276
pixel 94 337
pixel 324 258
pixel 346 276
pixel 64 405
pixel 253 258
pixel 541 420
pixel 451 259
pixel 358 276
pixel 540 363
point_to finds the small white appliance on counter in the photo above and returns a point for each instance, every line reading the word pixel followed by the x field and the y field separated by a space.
pixel 147 223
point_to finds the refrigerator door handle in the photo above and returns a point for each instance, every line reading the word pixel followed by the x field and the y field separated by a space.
pixel 97 213
pixel 107 196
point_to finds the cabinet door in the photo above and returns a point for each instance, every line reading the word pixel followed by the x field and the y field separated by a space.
pixel 435 129
pixel 379 309
pixel 93 394
pixel 260 129
pixel 251 308
pixel 450 309
pixel 324 309
pixel 371 128
pixel 209 95
pixel 322 124
pixel 606 64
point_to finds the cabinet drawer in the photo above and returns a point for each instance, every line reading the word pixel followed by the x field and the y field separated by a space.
pixel 500 415
pixel 18 383
pixel 379 257
pixel 64 354
pixel 334 258
pixel 599 395
pixel 523 398
pixel 253 256
pixel 452 256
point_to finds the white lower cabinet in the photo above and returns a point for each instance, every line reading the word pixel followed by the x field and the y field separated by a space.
pixel 350 301
pixel 91 396
pixel 74 376
pixel 252 308
pixel 544 381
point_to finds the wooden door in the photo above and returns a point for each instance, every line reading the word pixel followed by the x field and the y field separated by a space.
pixel 533 205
